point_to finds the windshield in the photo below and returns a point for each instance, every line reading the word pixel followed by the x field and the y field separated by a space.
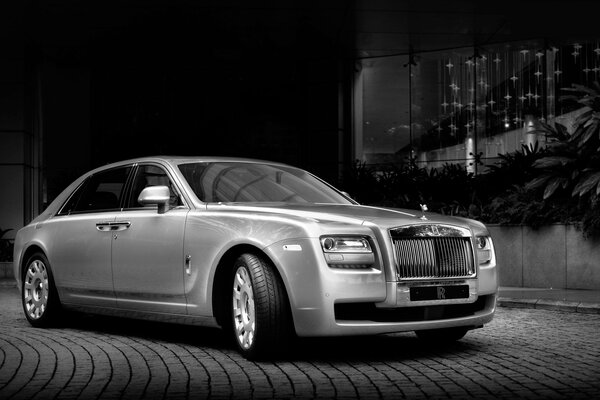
pixel 249 182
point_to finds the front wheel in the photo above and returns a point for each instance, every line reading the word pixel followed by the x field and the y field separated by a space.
pixel 260 316
pixel 39 296
pixel 442 336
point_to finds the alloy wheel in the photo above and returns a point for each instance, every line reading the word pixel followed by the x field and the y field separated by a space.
pixel 35 293
pixel 243 308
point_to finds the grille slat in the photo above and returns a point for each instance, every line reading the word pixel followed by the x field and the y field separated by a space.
pixel 434 257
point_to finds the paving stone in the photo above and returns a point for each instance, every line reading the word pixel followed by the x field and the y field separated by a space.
pixel 522 353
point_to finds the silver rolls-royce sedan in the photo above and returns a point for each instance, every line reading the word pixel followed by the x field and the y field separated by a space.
pixel 262 249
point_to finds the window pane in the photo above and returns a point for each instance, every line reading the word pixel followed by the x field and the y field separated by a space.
pixel 383 129
pixel 249 182
pixel 151 175
pixel 101 192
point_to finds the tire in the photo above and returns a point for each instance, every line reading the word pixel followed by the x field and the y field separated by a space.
pixel 442 336
pixel 260 317
pixel 39 296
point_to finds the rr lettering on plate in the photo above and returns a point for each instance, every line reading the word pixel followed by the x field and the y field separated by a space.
pixel 441 293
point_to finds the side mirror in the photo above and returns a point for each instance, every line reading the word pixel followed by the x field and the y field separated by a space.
pixel 159 195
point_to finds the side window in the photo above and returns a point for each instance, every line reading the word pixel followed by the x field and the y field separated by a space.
pixel 100 192
pixel 151 175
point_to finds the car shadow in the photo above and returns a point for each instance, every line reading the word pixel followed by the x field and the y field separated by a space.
pixel 149 330
pixel 391 347
pixel 374 348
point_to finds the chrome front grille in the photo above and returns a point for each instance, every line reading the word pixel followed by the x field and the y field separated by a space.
pixel 434 257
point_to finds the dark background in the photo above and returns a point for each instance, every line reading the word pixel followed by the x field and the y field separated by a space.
pixel 126 79
pixel 84 83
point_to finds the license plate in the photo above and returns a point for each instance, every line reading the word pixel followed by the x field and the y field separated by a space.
pixel 421 293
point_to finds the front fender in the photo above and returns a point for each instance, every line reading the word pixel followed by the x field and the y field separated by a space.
pixel 210 235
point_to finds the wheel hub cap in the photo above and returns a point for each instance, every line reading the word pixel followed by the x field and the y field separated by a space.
pixel 35 293
pixel 243 308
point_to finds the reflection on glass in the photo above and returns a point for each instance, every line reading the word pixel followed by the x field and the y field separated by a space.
pixel 384 118
pixel 240 182
pixel 466 105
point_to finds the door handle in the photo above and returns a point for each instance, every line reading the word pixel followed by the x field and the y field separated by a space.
pixel 103 226
pixel 113 226
pixel 119 225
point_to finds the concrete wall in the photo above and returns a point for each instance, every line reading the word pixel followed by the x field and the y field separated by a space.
pixel 556 256
pixel 6 270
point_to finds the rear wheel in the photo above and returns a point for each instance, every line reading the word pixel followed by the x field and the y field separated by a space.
pixel 442 336
pixel 259 313
pixel 39 296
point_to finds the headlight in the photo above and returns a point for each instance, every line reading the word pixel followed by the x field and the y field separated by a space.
pixel 339 244
pixel 348 252
pixel 484 249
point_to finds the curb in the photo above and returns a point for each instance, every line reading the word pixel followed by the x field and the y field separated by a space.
pixel 553 305
pixel 6 282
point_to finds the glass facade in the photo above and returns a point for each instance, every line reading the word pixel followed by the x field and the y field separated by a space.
pixel 464 105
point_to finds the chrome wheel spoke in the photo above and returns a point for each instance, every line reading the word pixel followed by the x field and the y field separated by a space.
pixel 239 279
pixel 239 329
pixel 249 326
pixel 251 310
pixel 246 339
pixel 236 295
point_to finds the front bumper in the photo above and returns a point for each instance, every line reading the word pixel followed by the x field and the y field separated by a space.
pixel 328 301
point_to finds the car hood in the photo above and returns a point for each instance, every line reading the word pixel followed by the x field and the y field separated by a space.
pixel 344 213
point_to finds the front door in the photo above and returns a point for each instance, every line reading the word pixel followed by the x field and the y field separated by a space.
pixel 147 249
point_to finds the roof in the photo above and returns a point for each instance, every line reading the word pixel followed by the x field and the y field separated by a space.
pixel 175 160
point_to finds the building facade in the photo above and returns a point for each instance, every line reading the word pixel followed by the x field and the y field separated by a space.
pixel 314 84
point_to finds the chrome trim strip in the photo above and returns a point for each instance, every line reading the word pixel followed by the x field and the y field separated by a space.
pixel 429 230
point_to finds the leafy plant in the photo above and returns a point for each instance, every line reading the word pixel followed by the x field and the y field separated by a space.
pixel 521 206
pixel 516 168
pixel 573 160
pixel 569 172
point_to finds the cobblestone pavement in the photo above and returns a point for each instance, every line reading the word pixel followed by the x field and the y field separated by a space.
pixel 523 353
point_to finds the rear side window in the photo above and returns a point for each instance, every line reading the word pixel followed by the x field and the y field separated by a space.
pixel 100 192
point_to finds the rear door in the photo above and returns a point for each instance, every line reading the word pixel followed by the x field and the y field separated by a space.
pixel 81 252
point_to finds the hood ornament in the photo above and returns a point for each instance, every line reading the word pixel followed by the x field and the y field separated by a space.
pixel 423 209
